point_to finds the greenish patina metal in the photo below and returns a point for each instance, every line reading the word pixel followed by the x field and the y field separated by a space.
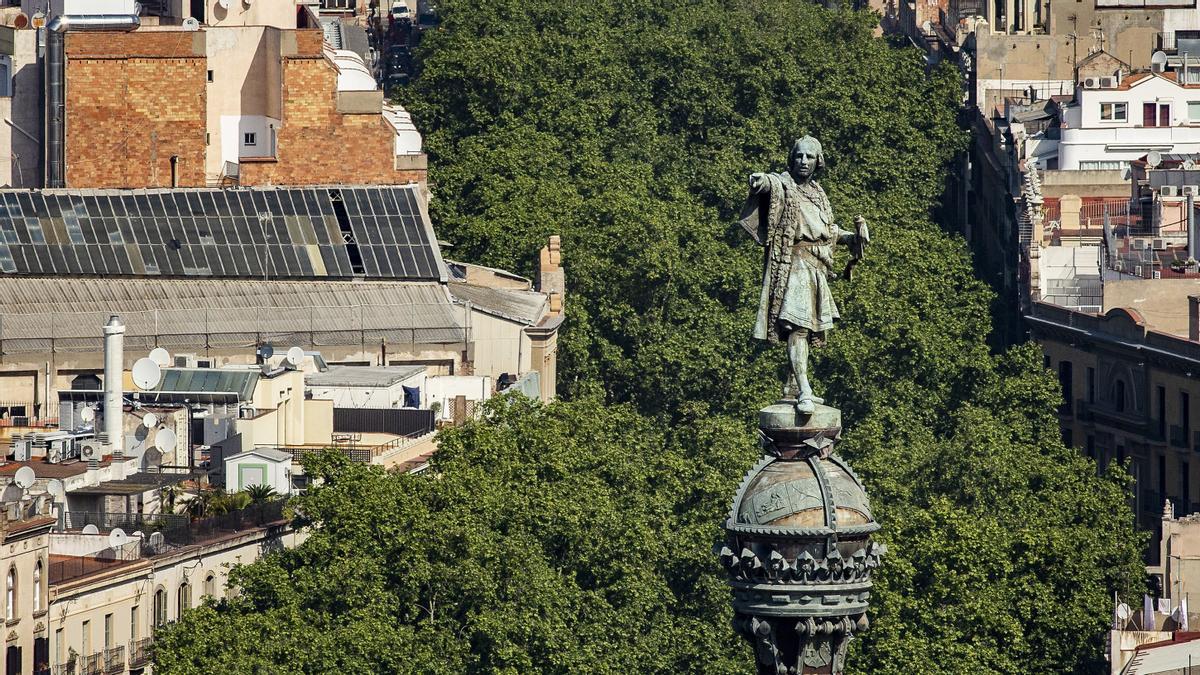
pixel 798 544
pixel 789 214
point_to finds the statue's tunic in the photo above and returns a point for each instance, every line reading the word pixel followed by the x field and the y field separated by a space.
pixel 795 224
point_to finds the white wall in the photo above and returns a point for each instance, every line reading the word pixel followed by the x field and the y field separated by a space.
pixel 278 474
pixel 1089 138
pixel 371 397
pixel 444 388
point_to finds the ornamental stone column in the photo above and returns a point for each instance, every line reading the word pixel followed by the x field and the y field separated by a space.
pixel 798 546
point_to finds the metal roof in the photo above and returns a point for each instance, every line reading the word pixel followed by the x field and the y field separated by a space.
pixel 274 455
pixel 521 306
pixel 376 232
pixel 362 376
pixel 65 314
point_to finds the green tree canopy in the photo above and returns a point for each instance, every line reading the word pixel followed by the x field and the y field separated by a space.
pixel 575 537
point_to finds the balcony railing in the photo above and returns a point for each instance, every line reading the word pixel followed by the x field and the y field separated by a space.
pixel 114 660
pixel 139 652
pixel 93 664
pixel 63 669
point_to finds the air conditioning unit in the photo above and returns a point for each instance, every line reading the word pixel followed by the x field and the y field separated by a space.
pixel 1118 265
pixel 1159 244
pixel 1156 274
pixel 1192 190
pixel 21 450
pixel 1137 244
pixel 1090 83
pixel 1169 191
pixel 1108 83
pixel 185 360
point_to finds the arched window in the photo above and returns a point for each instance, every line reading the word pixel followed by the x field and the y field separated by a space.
pixel 37 587
pixel 1119 395
pixel 184 597
pixel 10 595
pixel 210 584
pixel 160 607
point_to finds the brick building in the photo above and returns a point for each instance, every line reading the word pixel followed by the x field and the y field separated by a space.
pixel 245 96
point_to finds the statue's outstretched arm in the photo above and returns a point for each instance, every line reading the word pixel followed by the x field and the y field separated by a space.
pixel 759 183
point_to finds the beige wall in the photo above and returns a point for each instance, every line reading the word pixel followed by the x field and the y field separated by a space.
pixel 318 422
pixel 277 13
pixel 245 62
pixel 23 555
pixel 131 592
pixel 1163 303
pixel 501 346
pixel 1057 183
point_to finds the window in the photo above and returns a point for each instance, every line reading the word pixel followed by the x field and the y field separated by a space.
pixel 1065 380
pixel 134 628
pixel 210 584
pixel 249 138
pixel 37 587
pixel 1161 395
pixel 1091 446
pixel 6 76
pixel 87 637
pixel 1091 384
pixel 184 599
pixel 1114 112
pixel 108 631
pixel 1185 489
pixel 210 76
pixel 10 595
pixel 1068 438
pixel 1185 416
pixel 59 647
pixel 1119 395
pixel 1162 476
pixel 1156 114
pixel 160 607
pixel 1194 111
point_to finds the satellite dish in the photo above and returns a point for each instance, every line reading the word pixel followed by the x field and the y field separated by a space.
pixel 149 420
pixel 25 477
pixel 146 374
pixel 266 351
pixel 1189 164
pixel 117 538
pixel 157 539
pixel 164 439
pixel 1158 61
pixel 1154 159
pixel 295 356
pixel 138 534
pixel 191 23
pixel 91 529
pixel 88 451
pixel 56 489
pixel 223 4
pixel 87 414
pixel 160 356
pixel 1123 609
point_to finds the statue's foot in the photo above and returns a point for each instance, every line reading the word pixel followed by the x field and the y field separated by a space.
pixel 806 405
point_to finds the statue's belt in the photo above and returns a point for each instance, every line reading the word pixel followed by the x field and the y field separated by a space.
pixel 813 252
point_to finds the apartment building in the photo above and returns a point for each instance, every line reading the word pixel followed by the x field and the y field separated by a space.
pixel 245 95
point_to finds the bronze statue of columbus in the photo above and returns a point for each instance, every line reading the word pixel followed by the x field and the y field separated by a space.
pixel 789 214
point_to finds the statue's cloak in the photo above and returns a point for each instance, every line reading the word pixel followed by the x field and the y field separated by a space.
pixel 763 217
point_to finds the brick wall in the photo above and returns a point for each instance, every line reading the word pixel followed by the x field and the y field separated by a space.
pixel 133 100
pixel 317 144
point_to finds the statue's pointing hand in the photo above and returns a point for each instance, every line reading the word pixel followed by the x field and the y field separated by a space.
pixel 758 182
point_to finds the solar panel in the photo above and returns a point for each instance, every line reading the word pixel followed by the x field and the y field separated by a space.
pixel 369 231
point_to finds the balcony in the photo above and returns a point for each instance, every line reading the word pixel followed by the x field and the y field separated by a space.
pixel 93 664
pixel 114 660
pixel 139 652
pixel 63 669
pixel 1130 422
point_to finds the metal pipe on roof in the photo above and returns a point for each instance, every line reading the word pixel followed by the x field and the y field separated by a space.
pixel 114 353
pixel 55 78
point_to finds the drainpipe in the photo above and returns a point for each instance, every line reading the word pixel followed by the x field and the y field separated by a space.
pixel 1192 239
pixel 174 171
pixel 56 86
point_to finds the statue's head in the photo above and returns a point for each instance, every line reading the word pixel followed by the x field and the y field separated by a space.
pixel 806 158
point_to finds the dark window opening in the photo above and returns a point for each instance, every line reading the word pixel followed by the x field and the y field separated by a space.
pixel 1161 396
pixel 1185 415
pixel 1065 377
pixel 1119 396
pixel 343 218
pixel 1091 385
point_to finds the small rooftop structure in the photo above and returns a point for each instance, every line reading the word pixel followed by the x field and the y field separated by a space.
pixel 362 376
pixel 527 307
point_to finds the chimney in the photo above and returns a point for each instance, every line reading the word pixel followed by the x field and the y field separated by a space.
pixel 114 354
pixel 551 279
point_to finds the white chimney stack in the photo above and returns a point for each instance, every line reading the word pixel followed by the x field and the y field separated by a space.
pixel 114 353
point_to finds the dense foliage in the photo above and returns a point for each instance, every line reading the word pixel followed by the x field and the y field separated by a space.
pixel 575 537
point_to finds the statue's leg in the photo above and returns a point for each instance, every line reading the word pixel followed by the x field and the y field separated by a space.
pixel 798 354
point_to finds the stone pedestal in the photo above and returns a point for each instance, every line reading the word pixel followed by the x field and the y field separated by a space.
pixel 798 546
